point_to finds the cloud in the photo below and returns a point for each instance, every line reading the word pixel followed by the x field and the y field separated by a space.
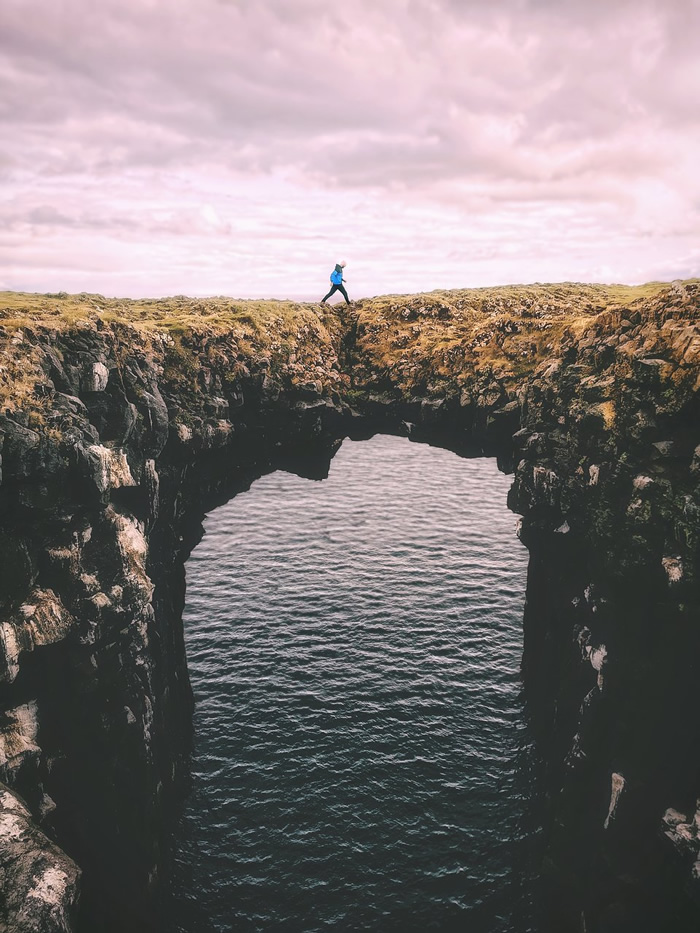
pixel 127 117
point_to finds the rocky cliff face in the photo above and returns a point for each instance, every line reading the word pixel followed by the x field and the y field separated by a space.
pixel 39 882
pixel 103 490
pixel 607 483
pixel 122 424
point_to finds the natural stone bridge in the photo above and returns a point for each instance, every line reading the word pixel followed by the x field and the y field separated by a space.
pixel 123 422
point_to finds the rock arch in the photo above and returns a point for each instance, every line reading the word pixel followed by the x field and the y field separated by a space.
pixel 129 436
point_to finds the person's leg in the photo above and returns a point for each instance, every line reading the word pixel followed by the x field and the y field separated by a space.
pixel 334 288
pixel 341 289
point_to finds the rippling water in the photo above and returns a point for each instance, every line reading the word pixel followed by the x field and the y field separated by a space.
pixel 362 758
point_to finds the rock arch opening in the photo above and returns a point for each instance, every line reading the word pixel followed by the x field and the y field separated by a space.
pixel 362 755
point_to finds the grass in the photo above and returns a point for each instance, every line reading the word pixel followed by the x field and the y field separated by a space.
pixel 176 314
pixel 414 341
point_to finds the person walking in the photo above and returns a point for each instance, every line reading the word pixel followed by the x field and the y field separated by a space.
pixel 337 283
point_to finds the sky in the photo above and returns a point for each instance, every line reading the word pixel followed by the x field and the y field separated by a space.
pixel 242 147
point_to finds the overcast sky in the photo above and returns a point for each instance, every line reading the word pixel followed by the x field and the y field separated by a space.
pixel 241 147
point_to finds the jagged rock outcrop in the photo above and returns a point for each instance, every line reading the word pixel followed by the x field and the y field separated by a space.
pixel 39 882
pixel 122 424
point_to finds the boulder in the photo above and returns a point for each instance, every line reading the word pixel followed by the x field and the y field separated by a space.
pixel 39 883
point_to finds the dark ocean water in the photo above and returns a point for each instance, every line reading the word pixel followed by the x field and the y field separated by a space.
pixel 362 758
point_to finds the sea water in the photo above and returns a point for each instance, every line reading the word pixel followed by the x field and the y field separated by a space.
pixel 362 758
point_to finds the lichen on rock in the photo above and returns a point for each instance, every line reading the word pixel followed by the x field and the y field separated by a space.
pixel 39 883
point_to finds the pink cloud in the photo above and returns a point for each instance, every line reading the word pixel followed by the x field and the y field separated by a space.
pixel 533 139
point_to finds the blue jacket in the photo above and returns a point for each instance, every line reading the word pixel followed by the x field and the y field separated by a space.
pixel 337 275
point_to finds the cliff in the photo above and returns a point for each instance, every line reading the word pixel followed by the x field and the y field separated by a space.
pixel 122 422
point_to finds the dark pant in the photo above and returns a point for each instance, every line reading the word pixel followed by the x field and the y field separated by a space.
pixel 337 288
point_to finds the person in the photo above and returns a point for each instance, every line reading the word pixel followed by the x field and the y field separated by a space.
pixel 337 283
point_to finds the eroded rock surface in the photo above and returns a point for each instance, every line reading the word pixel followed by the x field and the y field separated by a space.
pixel 39 883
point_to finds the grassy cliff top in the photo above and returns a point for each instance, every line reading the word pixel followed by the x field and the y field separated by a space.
pixel 419 344
pixel 412 344
pixel 175 315
pixel 60 310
